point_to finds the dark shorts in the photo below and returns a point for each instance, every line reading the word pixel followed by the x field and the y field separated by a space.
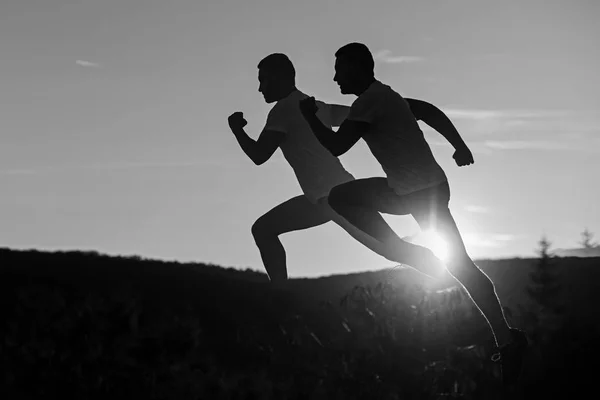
pixel 375 193
pixel 431 198
pixel 425 205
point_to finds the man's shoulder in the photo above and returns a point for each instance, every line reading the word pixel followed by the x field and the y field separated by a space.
pixel 375 90
pixel 388 96
pixel 372 95
pixel 289 104
pixel 380 88
pixel 279 116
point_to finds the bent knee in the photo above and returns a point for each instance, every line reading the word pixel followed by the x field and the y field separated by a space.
pixel 338 197
pixel 261 228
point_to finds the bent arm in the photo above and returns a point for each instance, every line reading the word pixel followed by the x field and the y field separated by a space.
pixel 338 113
pixel 337 143
pixel 435 118
pixel 261 150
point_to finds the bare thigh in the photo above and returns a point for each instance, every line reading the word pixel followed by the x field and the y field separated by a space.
pixel 362 237
pixel 429 206
pixel 295 214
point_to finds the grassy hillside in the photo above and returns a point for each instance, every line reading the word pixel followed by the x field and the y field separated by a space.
pixel 85 325
pixel 580 279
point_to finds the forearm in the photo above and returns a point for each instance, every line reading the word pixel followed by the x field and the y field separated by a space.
pixel 339 113
pixel 325 135
pixel 446 128
pixel 248 145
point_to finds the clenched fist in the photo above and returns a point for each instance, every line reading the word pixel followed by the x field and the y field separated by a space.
pixel 463 156
pixel 237 121
pixel 308 106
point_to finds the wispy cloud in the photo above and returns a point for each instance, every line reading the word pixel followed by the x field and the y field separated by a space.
pixel 482 114
pixel 438 143
pixel 136 165
pixel 109 167
pixel 87 64
pixel 506 121
pixel 471 114
pixel 492 130
pixel 489 240
pixel 505 237
pixel 523 145
pixel 547 145
pixel 476 240
pixel 585 145
pixel 387 57
pixel 477 209
pixel 19 172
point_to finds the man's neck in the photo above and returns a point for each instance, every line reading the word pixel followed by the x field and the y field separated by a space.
pixel 287 91
pixel 365 85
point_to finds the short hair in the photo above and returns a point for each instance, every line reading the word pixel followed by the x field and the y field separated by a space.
pixel 358 54
pixel 278 63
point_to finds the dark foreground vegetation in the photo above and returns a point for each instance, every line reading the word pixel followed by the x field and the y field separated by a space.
pixel 80 325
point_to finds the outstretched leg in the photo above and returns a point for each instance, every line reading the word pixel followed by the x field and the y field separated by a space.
pixel 356 201
pixel 294 214
pixel 388 252
pixel 512 343
pixel 477 284
pixel 360 202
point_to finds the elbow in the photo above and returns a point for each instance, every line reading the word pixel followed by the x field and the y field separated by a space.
pixel 338 150
pixel 332 147
pixel 259 159
pixel 426 112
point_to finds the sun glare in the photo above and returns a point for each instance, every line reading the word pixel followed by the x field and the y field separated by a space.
pixel 433 241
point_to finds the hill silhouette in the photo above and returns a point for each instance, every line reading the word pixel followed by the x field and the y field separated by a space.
pixel 578 252
pixel 95 326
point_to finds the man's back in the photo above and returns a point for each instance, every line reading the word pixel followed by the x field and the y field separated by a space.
pixel 316 169
pixel 396 140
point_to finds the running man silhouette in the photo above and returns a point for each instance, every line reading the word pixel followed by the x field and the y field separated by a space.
pixel 316 169
pixel 415 184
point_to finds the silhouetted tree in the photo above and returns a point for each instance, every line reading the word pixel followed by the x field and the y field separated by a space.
pixel 586 239
pixel 545 289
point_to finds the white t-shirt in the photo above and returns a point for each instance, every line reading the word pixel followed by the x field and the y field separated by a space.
pixel 316 169
pixel 396 140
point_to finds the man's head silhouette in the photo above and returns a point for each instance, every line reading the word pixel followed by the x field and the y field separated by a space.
pixel 276 77
pixel 354 68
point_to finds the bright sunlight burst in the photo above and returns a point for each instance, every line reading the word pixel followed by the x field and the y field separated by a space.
pixel 433 241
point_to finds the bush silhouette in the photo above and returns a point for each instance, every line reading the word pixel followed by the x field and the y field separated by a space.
pixel 85 325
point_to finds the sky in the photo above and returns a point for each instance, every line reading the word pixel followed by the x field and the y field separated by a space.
pixel 114 135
